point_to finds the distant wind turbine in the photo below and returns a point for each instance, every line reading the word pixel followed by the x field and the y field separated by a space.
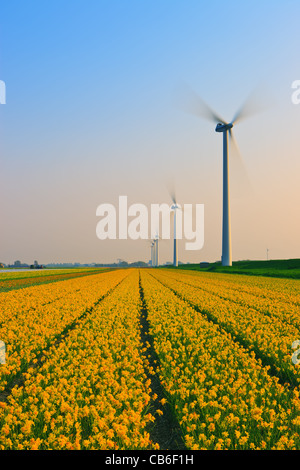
pixel 175 207
pixel 156 251
pixel 193 104
pixel 153 253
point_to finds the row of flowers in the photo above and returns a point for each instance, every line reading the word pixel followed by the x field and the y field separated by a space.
pixel 223 397
pixel 31 318
pixel 10 281
pixel 279 297
pixel 262 327
pixel 91 391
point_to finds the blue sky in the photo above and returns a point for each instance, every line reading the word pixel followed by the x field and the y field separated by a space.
pixel 89 117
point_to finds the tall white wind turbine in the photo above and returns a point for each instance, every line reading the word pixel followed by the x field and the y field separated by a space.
pixel 193 104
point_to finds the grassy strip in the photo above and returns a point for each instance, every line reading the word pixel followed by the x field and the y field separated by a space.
pixel 273 268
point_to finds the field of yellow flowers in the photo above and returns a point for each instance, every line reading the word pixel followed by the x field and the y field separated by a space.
pixel 78 372
pixel 262 314
pixel 19 279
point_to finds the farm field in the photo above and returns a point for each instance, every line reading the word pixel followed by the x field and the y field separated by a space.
pixel 151 359
pixel 20 279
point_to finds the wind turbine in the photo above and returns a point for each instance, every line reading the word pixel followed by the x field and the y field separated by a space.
pixel 156 251
pixel 152 256
pixel 193 104
pixel 175 207
pixel 152 253
pixel 152 249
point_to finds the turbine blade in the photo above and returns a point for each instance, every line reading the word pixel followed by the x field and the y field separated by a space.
pixel 190 102
pixel 257 102
pixel 171 190
pixel 241 184
pixel 173 196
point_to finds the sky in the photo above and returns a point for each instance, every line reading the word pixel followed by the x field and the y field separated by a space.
pixel 90 116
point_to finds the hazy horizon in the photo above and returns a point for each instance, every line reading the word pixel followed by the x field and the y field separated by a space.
pixel 89 116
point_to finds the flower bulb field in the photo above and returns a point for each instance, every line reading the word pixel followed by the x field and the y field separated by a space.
pixel 128 359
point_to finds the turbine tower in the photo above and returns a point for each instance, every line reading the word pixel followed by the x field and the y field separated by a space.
pixel 193 104
pixel 226 226
pixel 156 251
pixel 152 253
pixel 175 207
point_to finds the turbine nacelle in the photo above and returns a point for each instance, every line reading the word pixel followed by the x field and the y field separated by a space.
pixel 221 127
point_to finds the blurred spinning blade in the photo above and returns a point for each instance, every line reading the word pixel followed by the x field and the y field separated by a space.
pixel 189 101
pixel 172 195
pixel 258 101
pixel 240 182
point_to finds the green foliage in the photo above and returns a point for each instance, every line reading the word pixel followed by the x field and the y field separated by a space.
pixel 283 268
